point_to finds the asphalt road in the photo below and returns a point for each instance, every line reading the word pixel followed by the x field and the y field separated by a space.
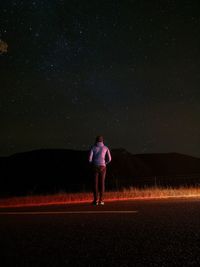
pixel 130 233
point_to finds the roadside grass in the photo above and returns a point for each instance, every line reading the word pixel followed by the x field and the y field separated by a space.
pixel 124 194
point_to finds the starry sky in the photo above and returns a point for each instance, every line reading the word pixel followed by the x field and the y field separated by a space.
pixel 128 70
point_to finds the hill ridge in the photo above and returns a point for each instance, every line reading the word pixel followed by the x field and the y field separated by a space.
pixel 52 170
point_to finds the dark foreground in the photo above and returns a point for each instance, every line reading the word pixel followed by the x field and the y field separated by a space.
pixel 160 233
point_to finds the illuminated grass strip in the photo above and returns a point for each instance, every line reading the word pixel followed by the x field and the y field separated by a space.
pixel 125 194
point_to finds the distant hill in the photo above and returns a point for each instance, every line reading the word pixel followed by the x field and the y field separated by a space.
pixel 54 170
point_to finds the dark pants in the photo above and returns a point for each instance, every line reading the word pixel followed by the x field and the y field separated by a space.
pixel 99 173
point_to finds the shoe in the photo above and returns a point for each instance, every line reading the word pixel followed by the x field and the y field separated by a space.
pixel 101 203
pixel 94 203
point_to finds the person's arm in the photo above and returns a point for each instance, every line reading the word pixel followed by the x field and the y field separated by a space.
pixel 90 156
pixel 109 158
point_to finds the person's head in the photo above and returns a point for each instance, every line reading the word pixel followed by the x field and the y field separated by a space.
pixel 99 138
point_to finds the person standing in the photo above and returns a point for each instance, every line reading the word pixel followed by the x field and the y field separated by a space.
pixel 99 157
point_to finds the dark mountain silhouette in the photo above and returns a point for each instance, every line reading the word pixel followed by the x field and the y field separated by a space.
pixel 54 170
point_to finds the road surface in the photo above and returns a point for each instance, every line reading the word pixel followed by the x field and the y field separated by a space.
pixel 128 233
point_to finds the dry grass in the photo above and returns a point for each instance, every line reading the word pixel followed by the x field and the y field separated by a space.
pixel 125 194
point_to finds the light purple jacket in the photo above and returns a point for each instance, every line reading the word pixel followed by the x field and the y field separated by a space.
pixel 99 154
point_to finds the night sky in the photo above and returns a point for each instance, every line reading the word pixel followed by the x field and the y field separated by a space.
pixel 128 70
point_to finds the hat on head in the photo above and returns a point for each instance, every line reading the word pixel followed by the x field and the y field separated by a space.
pixel 99 138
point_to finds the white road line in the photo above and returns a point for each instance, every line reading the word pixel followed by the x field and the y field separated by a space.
pixel 66 212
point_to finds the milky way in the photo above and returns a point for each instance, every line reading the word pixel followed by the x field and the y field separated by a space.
pixel 128 70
